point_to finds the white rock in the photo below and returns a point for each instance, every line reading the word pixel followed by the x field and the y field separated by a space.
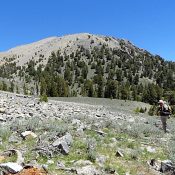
pixel 11 167
pixel 151 149
pixel 28 133
pixel 50 162
pixel 2 119
pixel 88 170
pixel 2 110
pixel 82 163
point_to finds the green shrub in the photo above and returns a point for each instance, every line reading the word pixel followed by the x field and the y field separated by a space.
pixel 91 155
pixel 153 110
pixel 109 168
pixel 43 98
pixel 5 133
pixel 139 110
pixel 91 152
pixel 142 110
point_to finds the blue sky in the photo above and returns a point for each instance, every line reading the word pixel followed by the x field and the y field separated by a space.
pixel 148 24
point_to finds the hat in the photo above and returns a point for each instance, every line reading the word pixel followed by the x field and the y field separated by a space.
pixel 161 101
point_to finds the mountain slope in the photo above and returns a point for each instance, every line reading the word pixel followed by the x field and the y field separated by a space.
pixel 88 65
pixel 66 44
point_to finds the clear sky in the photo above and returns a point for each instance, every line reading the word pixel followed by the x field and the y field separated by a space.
pixel 148 24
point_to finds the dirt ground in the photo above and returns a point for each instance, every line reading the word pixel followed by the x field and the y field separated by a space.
pixel 31 171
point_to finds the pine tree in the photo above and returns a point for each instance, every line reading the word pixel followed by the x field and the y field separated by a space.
pixel 111 89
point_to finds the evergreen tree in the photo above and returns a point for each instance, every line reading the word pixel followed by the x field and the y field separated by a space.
pixel 111 89
pixel 43 86
pixel 12 86
pixel 4 86
pixel 89 88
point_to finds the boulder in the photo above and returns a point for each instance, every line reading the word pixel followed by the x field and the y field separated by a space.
pixel 60 165
pixel 11 167
pixel 150 149
pixel 80 132
pixel 100 132
pixel 88 170
pixel 156 165
pixel 20 158
pixel 2 110
pixel 119 154
pixel 101 159
pixel 82 163
pixel 2 119
pixel 62 145
pixel 68 138
pixel 166 166
pixel 28 133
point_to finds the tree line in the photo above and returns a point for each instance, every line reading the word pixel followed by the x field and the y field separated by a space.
pixel 99 72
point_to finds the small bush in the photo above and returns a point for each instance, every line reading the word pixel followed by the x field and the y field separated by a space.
pixel 43 98
pixel 109 168
pixel 4 133
pixel 142 110
pixel 91 155
pixel 171 151
pixel 91 146
pixel 139 110
pixel 152 111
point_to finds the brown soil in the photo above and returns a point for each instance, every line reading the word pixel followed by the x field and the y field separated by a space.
pixel 31 171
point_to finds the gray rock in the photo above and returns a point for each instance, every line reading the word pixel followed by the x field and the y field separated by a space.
pixel 63 143
pixel 2 110
pixel 166 166
pixel 101 160
pixel 31 114
pixel 45 167
pixel 28 133
pixel 80 132
pixel 98 115
pixel 20 158
pixel 62 146
pixel 2 119
pixel 45 152
pixel 11 167
pixel 50 162
pixel 113 140
pixel 14 139
pixel 156 165
pixel 31 104
pixel 88 170
pixel 100 132
pixel 119 154
pixel 150 149
pixel 82 163
pixel 68 138
pixel 60 165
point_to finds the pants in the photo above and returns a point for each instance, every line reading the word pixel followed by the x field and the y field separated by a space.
pixel 164 122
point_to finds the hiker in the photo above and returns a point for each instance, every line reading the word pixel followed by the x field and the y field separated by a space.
pixel 164 112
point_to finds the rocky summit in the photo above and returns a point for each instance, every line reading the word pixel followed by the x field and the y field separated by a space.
pixel 82 136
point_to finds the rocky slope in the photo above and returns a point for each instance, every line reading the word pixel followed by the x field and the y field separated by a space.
pixel 67 44
pixel 66 137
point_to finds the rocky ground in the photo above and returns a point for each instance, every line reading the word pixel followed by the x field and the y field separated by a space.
pixel 82 136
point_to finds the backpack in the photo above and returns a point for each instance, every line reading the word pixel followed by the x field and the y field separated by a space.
pixel 166 110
